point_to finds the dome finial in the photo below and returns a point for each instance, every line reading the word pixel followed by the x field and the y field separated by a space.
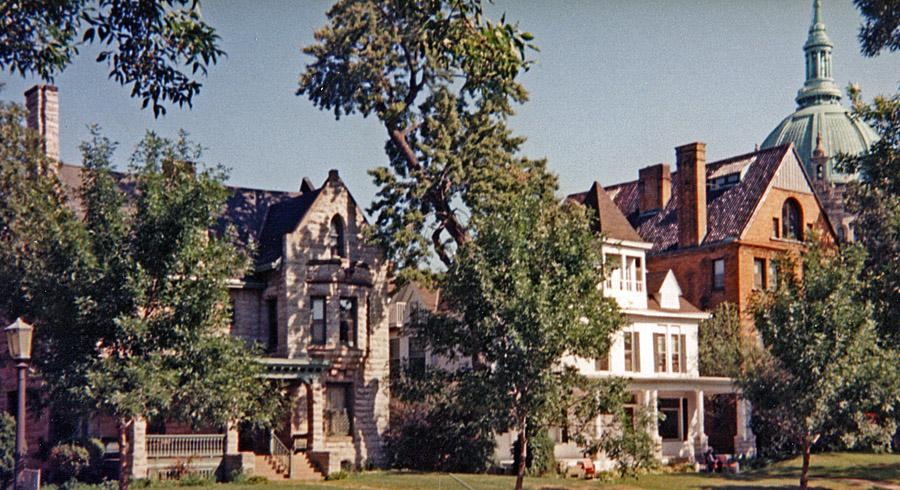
pixel 819 87
pixel 817 12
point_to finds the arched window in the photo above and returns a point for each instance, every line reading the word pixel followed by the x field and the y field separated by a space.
pixel 792 220
pixel 336 237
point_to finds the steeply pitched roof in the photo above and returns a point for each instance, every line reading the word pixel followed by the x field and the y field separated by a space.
pixel 282 218
pixel 255 215
pixel 607 217
pixel 729 208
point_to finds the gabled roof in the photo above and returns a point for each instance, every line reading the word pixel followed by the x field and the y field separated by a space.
pixel 607 217
pixel 729 208
pixel 280 219
pixel 255 215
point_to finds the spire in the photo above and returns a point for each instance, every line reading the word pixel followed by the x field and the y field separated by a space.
pixel 819 87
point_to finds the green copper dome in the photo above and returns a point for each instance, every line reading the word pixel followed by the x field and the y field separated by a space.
pixel 819 113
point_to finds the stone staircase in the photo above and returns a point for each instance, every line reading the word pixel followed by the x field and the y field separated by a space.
pixel 269 467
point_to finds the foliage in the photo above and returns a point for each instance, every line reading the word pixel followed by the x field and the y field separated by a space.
pixel 524 292
pixel 129 296
pixel 441 79
pixel 433 430
pixel 722 347
pixel 539 457
pixel 629 443
pixel 875 198
pixel 822 374
pixel 81 460
pixel 881 29
pixel 7 448
pixel 337 475
pixel 149 46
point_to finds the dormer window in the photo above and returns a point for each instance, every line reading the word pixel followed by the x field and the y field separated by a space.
pixel 337 243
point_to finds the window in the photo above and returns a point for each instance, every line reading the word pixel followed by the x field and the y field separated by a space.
pixel 773 275
pixel 632 351
pixel 759 274
pixel 272 317
pixel 669 427
pixel 776 228
pixel 398 313
pixel 679 363
pixel 634 274
pixel 348 321
pixel 416 353
pixel 318 323
pixel 601 364
pixel 336 237
pixel 791 220
pixel 659 352
pixel 337 414
pixel 614 277
pixel 718 274
pixel 395 355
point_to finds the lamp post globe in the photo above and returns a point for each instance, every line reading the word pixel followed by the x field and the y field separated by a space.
pixel 18 336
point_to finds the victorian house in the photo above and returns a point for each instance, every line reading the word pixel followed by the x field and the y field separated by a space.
pixel 316 302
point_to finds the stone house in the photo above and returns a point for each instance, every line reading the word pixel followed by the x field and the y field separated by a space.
pixel 316 301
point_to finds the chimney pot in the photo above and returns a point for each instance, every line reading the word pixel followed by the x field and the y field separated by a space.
pixel 691 165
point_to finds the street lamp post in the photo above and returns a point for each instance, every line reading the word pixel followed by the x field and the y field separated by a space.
pixel 19 337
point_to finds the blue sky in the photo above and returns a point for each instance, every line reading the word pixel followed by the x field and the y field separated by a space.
pixel 615 87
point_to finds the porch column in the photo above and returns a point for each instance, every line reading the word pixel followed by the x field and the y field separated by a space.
pixel 139 464
pixel 317 416
pixel 231 439
pixel 651 401
pixel 699 435
pixel 744 441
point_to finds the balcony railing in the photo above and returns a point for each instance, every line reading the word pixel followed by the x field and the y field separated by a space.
pixel 180 446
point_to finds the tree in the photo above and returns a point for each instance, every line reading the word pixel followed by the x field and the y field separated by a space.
pixel 441 79
pixel 128 295
pixel 722 346
pixel 875 199
pixel 881 29
pixel 525 294
pixel 822 375
pixel 151 43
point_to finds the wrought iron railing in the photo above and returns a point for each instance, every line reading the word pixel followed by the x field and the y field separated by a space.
pixel 280 453
pixel 181 446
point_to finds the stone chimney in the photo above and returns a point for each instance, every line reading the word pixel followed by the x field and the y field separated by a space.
pixel 691 161
pixel 654 187
pixel 42 102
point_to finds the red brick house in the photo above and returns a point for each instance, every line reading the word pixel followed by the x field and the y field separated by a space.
pixel 718 226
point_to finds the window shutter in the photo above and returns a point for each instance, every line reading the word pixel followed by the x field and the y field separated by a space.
pixel 683 353
pixel 637 352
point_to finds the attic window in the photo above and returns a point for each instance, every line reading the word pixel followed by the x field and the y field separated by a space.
pixel 336 237
pixel 792 220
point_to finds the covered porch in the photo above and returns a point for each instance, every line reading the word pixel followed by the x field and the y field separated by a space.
pixel 278 454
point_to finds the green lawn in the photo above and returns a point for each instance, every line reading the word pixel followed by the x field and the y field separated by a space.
pixel 835 471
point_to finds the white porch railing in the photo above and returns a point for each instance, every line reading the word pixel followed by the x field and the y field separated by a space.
pixel 280 453
pixel 180 446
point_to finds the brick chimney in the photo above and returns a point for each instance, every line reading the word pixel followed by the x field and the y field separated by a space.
pixel 42 102
pixel 654 187
pixel 691 161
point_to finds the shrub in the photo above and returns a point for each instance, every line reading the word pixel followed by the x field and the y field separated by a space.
pixel 428 438
pixel 337 475
pixel 539 457
pixel 7 448
pixel 80 460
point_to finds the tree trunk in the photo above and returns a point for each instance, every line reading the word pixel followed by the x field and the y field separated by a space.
pixel 520 470
pixel 804 471
pixel 124 452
